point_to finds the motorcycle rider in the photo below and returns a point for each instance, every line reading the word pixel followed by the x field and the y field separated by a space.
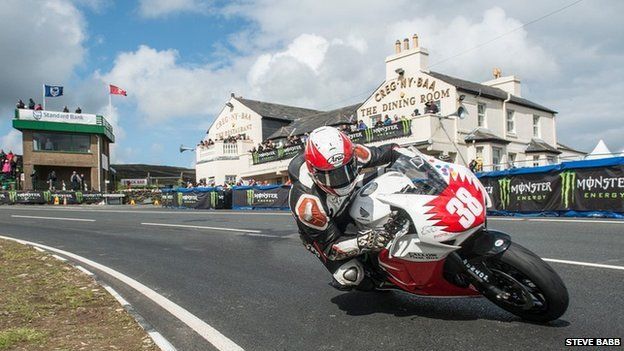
pixel 323 179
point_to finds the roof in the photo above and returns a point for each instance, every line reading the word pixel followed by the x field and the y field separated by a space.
pixel 484 135
pixel 488 91
pixel 343 115
pixel 539 145
pixel 561 146
pixel 277 111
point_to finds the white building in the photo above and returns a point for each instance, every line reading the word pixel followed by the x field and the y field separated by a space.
pixel 502 128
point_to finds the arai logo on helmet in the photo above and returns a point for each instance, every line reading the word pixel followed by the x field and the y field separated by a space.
pixel 336 159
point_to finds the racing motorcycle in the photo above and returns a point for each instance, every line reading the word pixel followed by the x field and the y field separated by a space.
pixel 441 246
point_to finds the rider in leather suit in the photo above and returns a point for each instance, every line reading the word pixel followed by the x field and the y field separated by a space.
pixel 323 179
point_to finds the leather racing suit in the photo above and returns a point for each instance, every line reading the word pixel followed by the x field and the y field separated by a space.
pixel 322 218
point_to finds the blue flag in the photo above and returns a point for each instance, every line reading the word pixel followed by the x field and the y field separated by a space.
pixel 53 90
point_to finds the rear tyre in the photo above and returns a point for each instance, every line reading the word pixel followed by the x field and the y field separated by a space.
pixel 531 289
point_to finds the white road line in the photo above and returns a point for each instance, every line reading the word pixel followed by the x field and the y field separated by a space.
pixel 504 219
pixel 265 235
pixel 161 342
pixel 213 336
pixel 147 211
pixel 588 264
pixel 84 270
pixel 573 221
pixel 59 258
pixel 116 295
pixel 56 218
pixel 203 227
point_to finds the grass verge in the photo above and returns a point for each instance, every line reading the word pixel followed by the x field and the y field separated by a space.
pixel 46 304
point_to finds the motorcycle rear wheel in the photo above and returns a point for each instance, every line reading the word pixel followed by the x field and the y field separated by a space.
pixel 532 289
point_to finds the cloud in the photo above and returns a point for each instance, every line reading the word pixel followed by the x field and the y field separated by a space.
pixel 42 42
pixel 163 8
pixel 12 141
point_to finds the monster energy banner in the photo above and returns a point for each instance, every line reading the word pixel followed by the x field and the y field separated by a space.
pixel 49 197
pixel 397 130
pixel 276 154
pixel 264 197
pixel 167 199
pixel 215 198
pixel 564 189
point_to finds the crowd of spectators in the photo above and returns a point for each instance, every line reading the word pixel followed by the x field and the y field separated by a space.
pixel 8 166
pixel 229 140
pixel 227 184
pixel 37 107
pixel 269 145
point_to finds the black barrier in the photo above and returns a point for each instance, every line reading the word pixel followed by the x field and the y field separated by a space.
pixel 577 187
pixel 198 198
pixel 49 197
pixel 260 197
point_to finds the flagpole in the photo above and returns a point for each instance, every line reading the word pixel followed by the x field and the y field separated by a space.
pixel 43 94
pixel 110 103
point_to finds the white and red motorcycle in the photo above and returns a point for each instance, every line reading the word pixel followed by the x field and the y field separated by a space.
pixel 442 247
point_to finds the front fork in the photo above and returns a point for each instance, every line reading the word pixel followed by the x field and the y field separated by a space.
pixel 466 265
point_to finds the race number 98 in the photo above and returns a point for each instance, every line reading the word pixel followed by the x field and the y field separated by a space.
pixel 466 206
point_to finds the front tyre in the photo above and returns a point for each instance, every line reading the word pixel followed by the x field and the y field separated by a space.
pixel 531 289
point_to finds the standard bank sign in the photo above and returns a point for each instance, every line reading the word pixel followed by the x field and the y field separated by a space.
pixel 61 117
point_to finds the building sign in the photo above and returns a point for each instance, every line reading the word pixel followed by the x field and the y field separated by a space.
pixel 409 92
pixel 59 117
pixel 276 154
pixel 232 124
pixel 134 182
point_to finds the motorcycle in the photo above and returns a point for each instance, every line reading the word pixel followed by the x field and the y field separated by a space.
pixel 441 246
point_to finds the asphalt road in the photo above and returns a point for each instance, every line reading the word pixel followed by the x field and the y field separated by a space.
pixel 261 289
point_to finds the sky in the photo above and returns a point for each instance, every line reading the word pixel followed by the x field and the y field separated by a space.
pixel 179 60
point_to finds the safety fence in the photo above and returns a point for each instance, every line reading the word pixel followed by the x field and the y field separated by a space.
pixel 575 188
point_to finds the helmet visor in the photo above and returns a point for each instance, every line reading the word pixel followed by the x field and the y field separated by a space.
pixel 339 177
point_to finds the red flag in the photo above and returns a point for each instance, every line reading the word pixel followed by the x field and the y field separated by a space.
pixel 117 90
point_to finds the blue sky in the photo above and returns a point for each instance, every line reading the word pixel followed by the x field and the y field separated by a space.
pixel 180 59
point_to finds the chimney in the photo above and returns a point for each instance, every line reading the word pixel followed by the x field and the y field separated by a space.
pixel 415 41
pixel 405 44
pixel 232 94
pixel 397 47
pixel 510 84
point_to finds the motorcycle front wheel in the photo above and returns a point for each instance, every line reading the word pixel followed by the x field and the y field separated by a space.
pixel 531 289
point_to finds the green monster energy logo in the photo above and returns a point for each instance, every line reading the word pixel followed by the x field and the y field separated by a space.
pixel 47 196
pixel 250 197
pixel 255 157
pixel 180 197
pixel 368 134
pixel 214 196
pixel 12 196
pixel 79 197
pixel 406 126
pixel 505 190
pixel 280 152
pixel 568 186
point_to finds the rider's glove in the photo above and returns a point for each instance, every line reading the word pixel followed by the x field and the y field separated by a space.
pixel 373 239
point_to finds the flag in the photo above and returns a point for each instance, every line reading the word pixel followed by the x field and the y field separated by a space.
pixel 114 90
pixel 53 90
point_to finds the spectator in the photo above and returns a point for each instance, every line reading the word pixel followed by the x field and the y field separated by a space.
pixel 52 180
pixel 82 180
pixel 33 178
pixel 361 125
pixel 38 107
pixel 48 145
pixel 10 156
pixel 473 165
pixel 479 167
pixel 65 109
pixel 63 185
pixel 78 110
pixel 431 107
pixel 75 181
pixel 396 119
pixel 379 123
pixel 6 168
pixel 387 121
pixel 416 113
pixel 31 104
pixel 20 104
pixel 2 155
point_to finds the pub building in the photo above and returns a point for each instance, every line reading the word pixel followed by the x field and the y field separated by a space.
pixel 501 129
pixel 64 143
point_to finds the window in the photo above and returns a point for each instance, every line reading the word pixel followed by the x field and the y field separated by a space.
pixel 511 159
pixel 374 119
pixel 481 115
pixel 536 126
pixel 63 142
pixel 496 158
pixel 551 160
pixel 479 152
pixel 511 125
pixel 536 161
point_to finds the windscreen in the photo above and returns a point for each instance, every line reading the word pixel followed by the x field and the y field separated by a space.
pixel 424 177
